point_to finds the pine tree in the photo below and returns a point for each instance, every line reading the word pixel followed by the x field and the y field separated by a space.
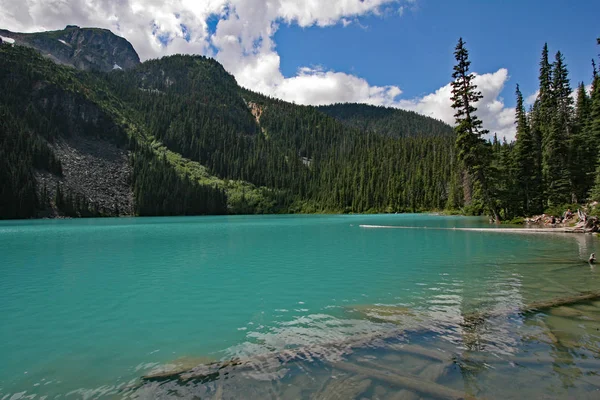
pixel 595 192
pixel 527 174
pixel 582 148
pixel 555 166
pixel 539 119
pixel 471 147
pixel 592 129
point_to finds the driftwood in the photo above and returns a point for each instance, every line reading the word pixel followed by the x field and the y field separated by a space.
pixel 399 379
pixel 586 223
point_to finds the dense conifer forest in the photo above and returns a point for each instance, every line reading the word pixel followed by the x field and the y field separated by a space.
pixel 197 143
pixel 554 162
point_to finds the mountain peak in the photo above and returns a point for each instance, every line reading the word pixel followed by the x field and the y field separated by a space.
pixel 82 48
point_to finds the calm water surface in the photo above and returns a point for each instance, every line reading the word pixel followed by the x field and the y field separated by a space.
pixel 88 307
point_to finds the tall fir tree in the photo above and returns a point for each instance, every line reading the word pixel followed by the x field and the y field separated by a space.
pixel 593 128
pixel 582 148
pixel 472 149
pixel 527 173
pixel 540 116
pixel 555 145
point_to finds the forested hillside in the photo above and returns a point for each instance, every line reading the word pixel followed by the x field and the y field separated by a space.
pixel 311 161
pixel 386 121
pixel 178 136
pixel 54 117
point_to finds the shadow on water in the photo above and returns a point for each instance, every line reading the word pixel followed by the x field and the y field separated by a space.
pixel 544 349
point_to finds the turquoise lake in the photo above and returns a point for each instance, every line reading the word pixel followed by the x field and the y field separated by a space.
pixel 89 306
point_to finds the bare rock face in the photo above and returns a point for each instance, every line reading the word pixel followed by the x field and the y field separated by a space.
pixel 96 169
pixel 82 48
pixel 92 151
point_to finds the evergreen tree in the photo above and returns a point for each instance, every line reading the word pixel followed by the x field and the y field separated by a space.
pixel 595 192
pixel 593 129
pixel 582 148
pixel 527 174
pixel 555 142
pixel 471 147
pixel 541 115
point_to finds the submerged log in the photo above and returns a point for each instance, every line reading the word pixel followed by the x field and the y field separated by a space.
pixel 421 352
pixel 412 383
pixel 561 301
pixel 335 350
pixel 535 306
pixel 433 372
pixel 343 388
pixel 541 360
pixel 549 332
pixel 403 395
pixel 202 372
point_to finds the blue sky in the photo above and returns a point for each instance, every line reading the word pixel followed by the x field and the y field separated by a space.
pixel 396 53
pixel 414 50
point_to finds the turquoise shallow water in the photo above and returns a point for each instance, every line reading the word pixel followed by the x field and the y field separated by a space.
pixel 88 306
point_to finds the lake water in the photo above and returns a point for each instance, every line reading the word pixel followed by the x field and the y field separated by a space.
pixel 310 306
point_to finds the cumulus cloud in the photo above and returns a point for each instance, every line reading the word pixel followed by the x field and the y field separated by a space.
pixel 497 118
pixel 243 42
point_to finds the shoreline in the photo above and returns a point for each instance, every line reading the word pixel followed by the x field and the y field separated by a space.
pixel 499 230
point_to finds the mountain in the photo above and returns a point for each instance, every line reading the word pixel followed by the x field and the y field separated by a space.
pixel 82 48
pixel 178 136
pixel 386 121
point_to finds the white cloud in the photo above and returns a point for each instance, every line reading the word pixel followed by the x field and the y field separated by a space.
pixel 243 43
pixel 496 117
pixel 529 100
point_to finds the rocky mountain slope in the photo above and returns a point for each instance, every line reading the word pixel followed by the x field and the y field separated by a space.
pixel 82 48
